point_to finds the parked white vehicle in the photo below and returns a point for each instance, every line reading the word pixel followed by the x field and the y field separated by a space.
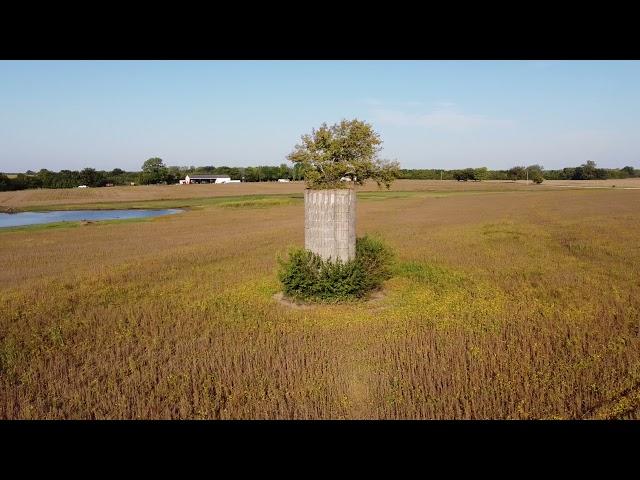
pixel 82 186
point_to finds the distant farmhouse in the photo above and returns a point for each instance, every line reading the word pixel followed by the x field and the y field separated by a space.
pixel 207 179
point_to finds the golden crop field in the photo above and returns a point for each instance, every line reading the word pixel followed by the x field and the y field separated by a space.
pixel 189 195
pixel 508 301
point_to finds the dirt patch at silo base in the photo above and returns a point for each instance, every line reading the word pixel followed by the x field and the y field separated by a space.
pixel 282 299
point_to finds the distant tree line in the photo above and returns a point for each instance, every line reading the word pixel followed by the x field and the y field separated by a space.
pixel 536 173
pixel 588 171
pixel 64 179
pixel 155 172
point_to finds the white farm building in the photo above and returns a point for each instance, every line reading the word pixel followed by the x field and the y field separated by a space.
pixel 208 179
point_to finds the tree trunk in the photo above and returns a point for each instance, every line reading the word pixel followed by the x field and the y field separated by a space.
pixel 330 223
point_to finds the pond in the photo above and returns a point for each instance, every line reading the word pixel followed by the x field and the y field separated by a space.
pixel 33 218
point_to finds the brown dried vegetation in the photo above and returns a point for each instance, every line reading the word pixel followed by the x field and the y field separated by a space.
pixel 508 302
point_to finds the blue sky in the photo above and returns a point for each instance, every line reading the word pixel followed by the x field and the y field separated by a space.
pixel 430 114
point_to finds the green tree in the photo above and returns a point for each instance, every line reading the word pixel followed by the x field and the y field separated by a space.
pixel 153 171
pixel 589 170
pixel 5 183
pixel 629 171
pixel 346 149
pixel 174 174
pixel 297 172
pixel 21 182
pixel 517 173
pixel 461 175
pixel 470 173
pixel 92 178
pixel 601 173
pixel 154 164
pixel 586 171
pixel 481 173
pixel 284 171
pixel 535 173
pixel 536 176
pixel 535 168
pixel 251 174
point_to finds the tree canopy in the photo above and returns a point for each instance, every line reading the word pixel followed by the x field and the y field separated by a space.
pixel 153 171
pixel 154 164
pixel 346 149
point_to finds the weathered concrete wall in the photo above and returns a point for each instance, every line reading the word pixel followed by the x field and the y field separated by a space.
pixel 330 223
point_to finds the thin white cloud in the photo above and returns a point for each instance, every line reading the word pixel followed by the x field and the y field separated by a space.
pixel 445 104
pixel 445 118
pixel 410 104
pixel 374 102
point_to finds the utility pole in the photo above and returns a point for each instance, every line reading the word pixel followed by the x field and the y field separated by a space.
pixel 527 170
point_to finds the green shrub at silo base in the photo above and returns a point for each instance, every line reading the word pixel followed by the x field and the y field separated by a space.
pixel 306 276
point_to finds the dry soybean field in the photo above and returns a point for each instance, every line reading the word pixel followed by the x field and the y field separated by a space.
pixel 508 301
